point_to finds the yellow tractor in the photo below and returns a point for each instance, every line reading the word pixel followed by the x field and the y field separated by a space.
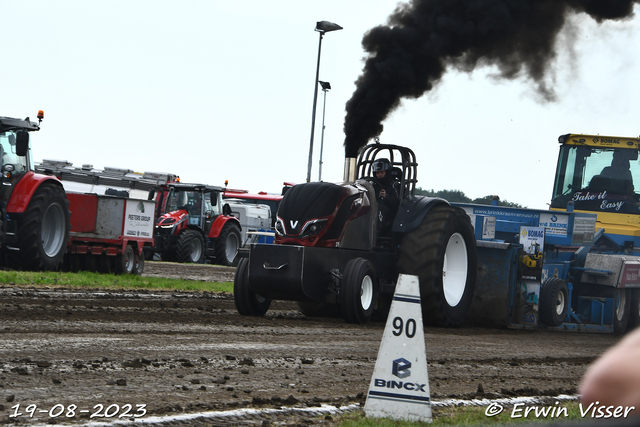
pixel 598 174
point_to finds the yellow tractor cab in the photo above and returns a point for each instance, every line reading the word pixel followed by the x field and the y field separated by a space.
pixel 601 174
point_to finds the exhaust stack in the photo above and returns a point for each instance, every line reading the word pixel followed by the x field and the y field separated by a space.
pixel 350 169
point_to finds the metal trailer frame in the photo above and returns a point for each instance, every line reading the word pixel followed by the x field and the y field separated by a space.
pixel 508 291
pixel 106 225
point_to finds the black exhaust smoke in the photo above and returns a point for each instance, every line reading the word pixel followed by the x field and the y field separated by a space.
pixel 407 57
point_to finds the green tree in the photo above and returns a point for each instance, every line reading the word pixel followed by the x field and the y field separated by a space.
pixel 487 200
pixel 457 196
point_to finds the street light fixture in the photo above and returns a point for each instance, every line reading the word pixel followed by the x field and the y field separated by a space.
pixel 325 88
pixel 321 27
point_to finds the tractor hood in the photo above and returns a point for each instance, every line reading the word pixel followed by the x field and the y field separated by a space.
pixel 307 202
pixel 170 219
pixel 319 213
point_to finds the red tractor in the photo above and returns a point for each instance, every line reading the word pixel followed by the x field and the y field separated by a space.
pixel 35 218
pixel 193 224
pixel 342 246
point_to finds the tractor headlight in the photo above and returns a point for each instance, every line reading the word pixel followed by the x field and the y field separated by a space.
pixel 280 227
pixel 8 170
pixel 313 227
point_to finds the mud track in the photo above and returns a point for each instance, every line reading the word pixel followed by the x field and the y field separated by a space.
pixel 184 352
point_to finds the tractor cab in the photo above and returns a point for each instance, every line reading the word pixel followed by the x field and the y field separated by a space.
pixel 601 174
pixel 186 205
pixel 349 214
pixel 14 151
pixel 194 225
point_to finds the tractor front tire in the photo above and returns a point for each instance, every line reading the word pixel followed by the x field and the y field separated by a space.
pixel 248 303
pixel 358 291
pixel 227 245
pixel 43 231
pixel 442 253
pixel 553 302
pixel 190 247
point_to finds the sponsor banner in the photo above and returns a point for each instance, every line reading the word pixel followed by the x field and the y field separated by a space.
pixel 532 239
pixel 511 215
pixel 555 224
pixel 630 276
pixel 138 221
pixel 584 229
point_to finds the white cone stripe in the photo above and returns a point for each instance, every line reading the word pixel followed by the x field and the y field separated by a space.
pixel 412 399
pixel 407 299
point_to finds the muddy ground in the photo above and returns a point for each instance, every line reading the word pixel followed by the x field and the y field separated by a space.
pixel 182 352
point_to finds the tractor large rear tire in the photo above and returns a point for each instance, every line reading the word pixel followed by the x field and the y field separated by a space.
pixel 554 302
pixel 442 253
pixel 190 247
pixel 622 310
pixel 248 303
pixel 358 291
pixel 227 245
pixel 43 231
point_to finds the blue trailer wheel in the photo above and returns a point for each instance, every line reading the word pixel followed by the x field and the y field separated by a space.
pixel 554 302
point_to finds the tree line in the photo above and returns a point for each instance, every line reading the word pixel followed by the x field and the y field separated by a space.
pixel 457 196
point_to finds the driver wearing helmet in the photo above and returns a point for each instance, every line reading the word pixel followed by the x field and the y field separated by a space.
pixel 386 193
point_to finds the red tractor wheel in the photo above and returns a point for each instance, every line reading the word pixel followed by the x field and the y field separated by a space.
pixel 227 245
pixel 43 231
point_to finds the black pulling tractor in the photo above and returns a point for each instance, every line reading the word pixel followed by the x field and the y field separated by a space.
pixel 329 252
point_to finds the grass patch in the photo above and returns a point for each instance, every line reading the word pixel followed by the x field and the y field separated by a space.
pixel 90 280
pixel 474 416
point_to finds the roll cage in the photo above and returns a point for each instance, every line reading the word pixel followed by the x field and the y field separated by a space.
pixel 403 165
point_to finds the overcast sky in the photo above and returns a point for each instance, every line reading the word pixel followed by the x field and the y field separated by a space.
pixel 223 90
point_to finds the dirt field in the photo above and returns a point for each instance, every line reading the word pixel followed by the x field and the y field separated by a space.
pixel 182 353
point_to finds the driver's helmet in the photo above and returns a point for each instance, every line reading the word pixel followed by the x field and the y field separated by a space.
pixel 381 165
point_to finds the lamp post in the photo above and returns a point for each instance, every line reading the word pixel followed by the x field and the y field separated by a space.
pixel 325 88
pixel 321 27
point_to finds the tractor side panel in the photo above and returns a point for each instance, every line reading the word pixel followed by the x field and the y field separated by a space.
pixel 358 232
